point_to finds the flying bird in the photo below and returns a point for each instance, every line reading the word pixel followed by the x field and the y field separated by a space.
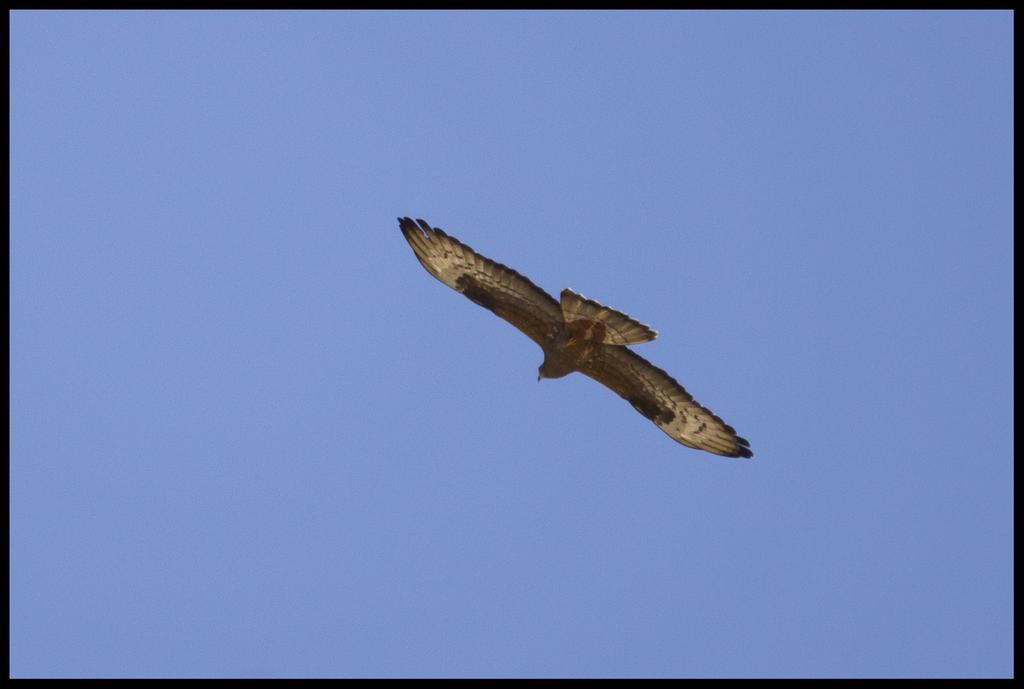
pixel 576 334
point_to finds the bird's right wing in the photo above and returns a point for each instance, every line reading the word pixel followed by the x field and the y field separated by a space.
pixel 658 396
pixel 485 282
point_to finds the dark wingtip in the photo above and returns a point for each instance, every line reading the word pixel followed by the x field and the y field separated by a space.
pixel 744 447
pixel 411 230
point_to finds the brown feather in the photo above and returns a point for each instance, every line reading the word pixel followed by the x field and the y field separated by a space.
pixel 618 328
pixel 576 334
pixel 658 396
pixel 485 282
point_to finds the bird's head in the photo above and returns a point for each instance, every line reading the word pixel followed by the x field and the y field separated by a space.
pixel 552 369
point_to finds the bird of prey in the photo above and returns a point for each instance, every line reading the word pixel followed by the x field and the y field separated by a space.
pixel 576 334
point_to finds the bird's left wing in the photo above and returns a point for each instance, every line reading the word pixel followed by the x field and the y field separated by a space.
pixel 485 282
pixel 658 396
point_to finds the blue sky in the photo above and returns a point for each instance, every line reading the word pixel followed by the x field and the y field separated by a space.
pixel 251 436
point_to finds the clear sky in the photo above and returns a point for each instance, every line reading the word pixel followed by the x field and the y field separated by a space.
pixel 251 436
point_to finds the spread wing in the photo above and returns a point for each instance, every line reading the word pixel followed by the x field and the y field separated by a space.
pixel 657 395
pixel 485 282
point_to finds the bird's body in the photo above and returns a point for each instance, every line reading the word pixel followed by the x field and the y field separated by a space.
pixel 576 334
pixel 569 351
